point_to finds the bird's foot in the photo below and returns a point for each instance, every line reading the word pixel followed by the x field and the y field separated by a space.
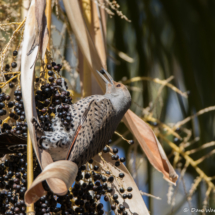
pixel 39 141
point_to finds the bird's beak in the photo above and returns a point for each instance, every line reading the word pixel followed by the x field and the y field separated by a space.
pixel 101 73
pixel 103 77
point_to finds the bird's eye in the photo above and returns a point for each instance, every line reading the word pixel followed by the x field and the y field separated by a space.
pixel 118 85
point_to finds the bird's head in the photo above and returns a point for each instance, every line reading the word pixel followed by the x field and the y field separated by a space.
pixel 115 90
pixel 113 87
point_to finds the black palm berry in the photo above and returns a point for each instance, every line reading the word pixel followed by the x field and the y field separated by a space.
pixel 98 196
pixel 121 207
pixel 47 90
pixel 97 183
pixel 51 79
pixel 121 190
pixel 2 98
pixel 18 175
pixel 2 105
pixel 56 68
pixel 57 101
pixel 117 163
pixel 14 65
pixel 176 140
pixel 83 167
pixel 17 93
pixel 7 77
pixel 58 81
pixel 109 189
pixel 124 196
pixel 122 159
pixel 116 157
pixel 7 97
pixel 24 175
pixel 11 85
pixel 87 175
pixel 104 186
pixel 96 167
pixel 104 179
pixel 129 196
pixel 66 107
pixel 2 112
pixel 129 189
pixel 47 85
pixel 106 149
pixel 10 104
pixel 18 98
pixel 51 110
pixel 115 196
pixel 49 66
pixel 7 66
pixel 113 207
pixel 44 110
pixel 50 73
pixel 99 206
pixel 22 118
pixel 59 65
pixel 115 150
pixel 15 53
pixel 53 64
pixel 90 161
pixel 121 175
pixel 47 102
pixel 106 198
pixel 131 142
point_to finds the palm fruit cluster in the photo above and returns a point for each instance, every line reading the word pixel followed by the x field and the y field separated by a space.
pixel 83 198
pixel 52 97
pixel 13 182
pixel 50 92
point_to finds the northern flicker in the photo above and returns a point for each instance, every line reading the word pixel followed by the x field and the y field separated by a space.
pixel 94 119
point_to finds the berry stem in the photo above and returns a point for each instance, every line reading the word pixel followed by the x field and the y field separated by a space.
pixel 30 171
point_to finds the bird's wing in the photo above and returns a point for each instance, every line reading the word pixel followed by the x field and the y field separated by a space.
pixel 93 131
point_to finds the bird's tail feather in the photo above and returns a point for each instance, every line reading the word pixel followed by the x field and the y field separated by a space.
pixel 59 175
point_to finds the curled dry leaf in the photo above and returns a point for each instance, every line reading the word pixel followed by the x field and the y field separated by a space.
pixel 133 206
pixel 35 40
pixel 150 145
pixel 68 171
pixel 29 56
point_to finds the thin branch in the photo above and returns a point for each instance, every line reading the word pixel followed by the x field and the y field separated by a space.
pixel 201 147
pixel 205 110
pixel 158 81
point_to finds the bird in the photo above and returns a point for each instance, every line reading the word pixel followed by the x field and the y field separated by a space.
pixel 94 120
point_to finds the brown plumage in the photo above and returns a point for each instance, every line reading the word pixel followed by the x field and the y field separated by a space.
pixel 95 118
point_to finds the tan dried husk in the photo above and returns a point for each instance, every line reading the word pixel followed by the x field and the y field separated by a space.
pixel 134 206
pixel 150 145
pixel 63 172
pixel 146 138
pixel 35 40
